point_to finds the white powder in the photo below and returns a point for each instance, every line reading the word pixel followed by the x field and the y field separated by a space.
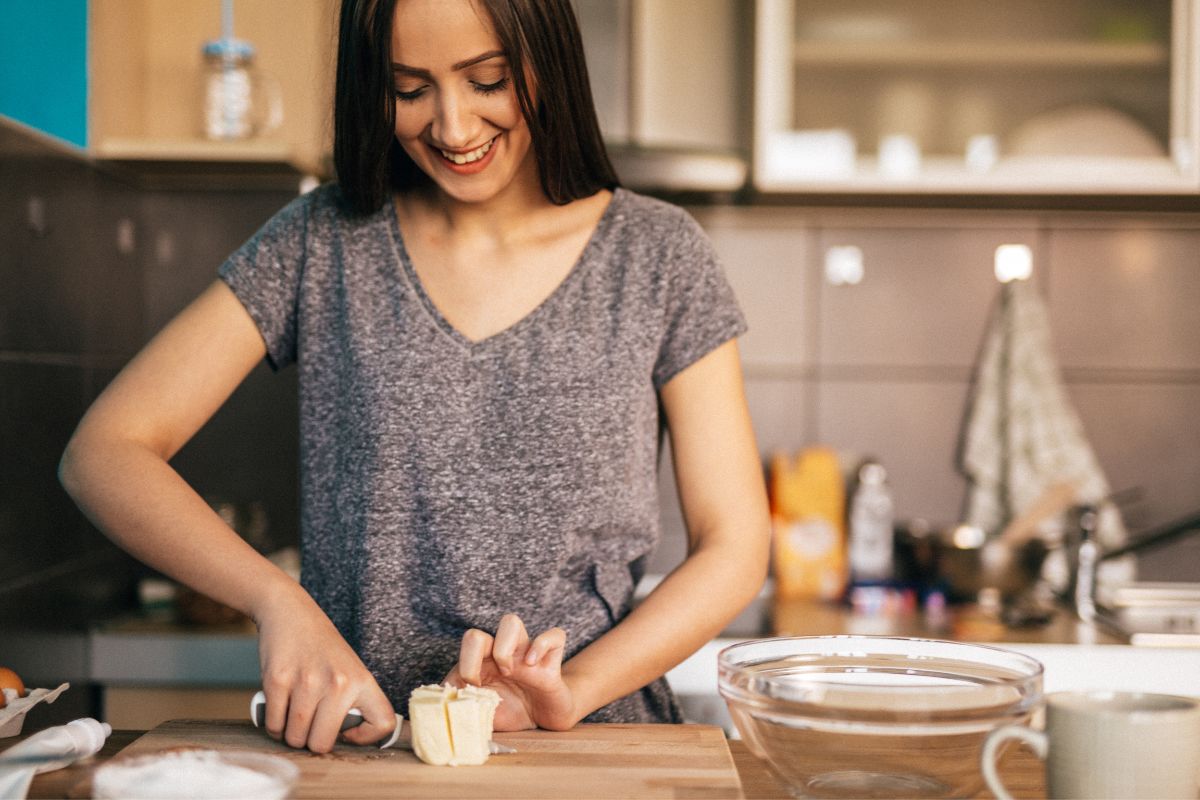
pixel 194 775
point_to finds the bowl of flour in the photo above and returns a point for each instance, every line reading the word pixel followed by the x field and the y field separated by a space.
pixel 194 774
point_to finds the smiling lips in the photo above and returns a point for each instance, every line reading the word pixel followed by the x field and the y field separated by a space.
pixel 471 160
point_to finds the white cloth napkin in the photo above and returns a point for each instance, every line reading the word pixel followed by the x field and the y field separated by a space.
pixel 61 746
pixel 1021 434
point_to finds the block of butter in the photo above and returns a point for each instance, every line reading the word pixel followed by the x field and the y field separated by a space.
pixel 452 726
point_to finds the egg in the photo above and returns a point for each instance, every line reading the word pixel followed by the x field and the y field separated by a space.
pixel 11 680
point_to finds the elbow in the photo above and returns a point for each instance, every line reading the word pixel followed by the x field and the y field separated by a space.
pixel 69 466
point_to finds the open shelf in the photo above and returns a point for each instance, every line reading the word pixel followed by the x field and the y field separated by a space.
pixel 984 54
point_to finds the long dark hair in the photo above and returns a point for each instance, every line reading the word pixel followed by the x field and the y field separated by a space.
pixel 370 163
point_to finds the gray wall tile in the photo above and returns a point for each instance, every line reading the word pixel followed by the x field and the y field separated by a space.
pixel 45 302
pixel 782 413
pixel 768 267
pixel 1148 436
pixel 1126 298
pixel 911 428
pixel 923 300
pixel 39 525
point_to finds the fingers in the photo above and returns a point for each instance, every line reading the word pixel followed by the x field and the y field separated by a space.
pixel 302 707
pixel 476 646
pixel 379 719
pixel 309 713
pixel 547 649
pixel 511 643
pixel 277 706
pixel 325 724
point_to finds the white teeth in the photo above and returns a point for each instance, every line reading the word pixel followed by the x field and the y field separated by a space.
pixel 473 155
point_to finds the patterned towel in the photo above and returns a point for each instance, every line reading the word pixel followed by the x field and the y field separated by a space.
pixel 1021 434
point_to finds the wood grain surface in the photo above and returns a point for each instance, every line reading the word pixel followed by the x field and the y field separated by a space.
pixel 1021 770
pixel 589 761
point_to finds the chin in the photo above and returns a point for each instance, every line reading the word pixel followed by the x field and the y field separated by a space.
pixel 472 194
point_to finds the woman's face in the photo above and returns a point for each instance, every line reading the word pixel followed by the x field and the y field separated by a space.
pixel 457 115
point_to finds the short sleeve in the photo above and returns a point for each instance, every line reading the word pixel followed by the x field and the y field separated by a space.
pixel 264 274
pixel 701 312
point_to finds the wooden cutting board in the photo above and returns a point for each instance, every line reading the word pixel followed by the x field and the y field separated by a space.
pixel 589 761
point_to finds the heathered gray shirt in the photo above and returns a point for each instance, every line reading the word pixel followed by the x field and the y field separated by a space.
pixel 446 482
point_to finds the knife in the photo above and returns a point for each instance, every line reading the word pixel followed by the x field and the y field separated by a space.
pixel 354 717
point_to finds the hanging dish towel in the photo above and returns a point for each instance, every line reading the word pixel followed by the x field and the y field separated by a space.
pixel 1021 435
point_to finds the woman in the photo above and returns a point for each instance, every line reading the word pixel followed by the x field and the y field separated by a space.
pixel 491 338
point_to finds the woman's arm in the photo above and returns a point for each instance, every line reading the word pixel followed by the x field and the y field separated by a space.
pixel 116 469
pixel 721 488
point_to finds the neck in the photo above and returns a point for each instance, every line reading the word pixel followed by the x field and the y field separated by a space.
pixel 501 218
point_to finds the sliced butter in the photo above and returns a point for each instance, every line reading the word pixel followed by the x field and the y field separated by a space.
pixel 452 726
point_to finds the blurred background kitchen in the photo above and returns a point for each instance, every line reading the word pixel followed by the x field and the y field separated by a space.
pixel 869 170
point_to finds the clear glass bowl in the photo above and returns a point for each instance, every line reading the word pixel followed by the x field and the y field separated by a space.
pixel 875 716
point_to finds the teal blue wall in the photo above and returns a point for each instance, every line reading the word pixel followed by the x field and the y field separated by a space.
pixel 43 65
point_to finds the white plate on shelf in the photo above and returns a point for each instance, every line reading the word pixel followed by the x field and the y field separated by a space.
pixel 1083 130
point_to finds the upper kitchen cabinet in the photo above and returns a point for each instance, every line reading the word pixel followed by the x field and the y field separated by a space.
pixel 977 96
pixel 147 85
pixel 668 78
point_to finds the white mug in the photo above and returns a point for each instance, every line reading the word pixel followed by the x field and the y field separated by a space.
pixel 1110 745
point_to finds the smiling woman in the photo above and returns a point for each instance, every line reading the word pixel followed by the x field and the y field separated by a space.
pixel 492 339
pixel 539 45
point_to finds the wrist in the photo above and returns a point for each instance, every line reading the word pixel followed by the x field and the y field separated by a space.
pixel 576 688
pixel 278 591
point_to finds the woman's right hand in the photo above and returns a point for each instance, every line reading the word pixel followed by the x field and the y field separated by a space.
pixel 311 678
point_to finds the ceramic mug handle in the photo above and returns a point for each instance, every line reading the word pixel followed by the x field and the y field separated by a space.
pixel 1035 739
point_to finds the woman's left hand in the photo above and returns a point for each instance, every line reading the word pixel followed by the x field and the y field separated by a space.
pixel 526 674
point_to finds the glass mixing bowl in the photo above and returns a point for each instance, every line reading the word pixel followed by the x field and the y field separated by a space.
pixel 875 716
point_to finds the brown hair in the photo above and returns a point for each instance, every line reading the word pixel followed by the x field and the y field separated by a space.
pixel 541 35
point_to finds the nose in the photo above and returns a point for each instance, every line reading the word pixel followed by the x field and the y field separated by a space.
pixel 455 123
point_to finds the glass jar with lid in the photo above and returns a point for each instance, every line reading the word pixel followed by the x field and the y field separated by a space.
pixel 240 101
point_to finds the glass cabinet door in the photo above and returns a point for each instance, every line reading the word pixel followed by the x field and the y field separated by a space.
pixel 1004 96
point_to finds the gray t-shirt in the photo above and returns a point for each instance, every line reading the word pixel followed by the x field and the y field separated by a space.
pixel 446 482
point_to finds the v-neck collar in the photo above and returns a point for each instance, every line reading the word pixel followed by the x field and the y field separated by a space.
pixel 444 325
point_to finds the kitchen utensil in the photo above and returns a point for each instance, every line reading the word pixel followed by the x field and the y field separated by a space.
pixel 873 716
pixel 969 562
pixel 588 761
pixel 1111 745
pixel 1054 500
pixel 354 718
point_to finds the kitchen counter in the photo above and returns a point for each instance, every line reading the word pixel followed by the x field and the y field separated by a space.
pixel 1020 769
pixel 966 623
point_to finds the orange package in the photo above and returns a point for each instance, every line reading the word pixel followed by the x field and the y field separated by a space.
pixel 808 512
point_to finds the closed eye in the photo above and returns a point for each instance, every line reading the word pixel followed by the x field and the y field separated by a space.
pixel 408 97
pixel 492 88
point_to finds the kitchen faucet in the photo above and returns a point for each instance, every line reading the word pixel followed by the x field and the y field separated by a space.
pixel 1088 556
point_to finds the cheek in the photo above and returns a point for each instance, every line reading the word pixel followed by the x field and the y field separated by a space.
pixel 408 124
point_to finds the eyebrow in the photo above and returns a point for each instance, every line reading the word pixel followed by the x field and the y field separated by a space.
pixel 470 62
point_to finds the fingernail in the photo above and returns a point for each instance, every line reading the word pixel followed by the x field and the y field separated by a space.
pixel 531 657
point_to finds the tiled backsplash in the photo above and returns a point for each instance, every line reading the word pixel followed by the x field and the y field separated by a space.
pixel 91 267
pixel 883 367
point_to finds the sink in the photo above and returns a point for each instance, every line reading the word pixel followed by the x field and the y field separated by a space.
pixel 1153 613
